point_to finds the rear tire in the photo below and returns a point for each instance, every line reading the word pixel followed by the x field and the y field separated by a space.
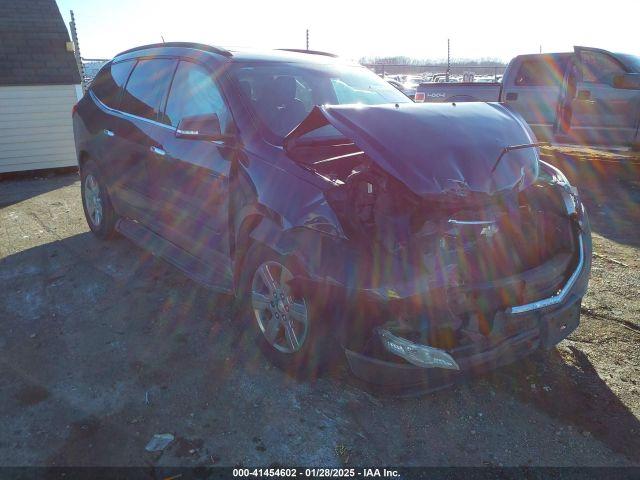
pixel 288 328
pixel 98 210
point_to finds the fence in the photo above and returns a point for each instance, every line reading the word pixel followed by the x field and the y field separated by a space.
pixel 386 69
pixel 90 68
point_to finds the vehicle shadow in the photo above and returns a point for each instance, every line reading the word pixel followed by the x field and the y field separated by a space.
pixel 20 186
pixel 565 385
pixel 610 190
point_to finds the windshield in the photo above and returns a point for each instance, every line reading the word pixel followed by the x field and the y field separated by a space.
pixel 631 61
pixel 282 95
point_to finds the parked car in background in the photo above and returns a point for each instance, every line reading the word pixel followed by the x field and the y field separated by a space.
pixel 590 96
pixel 396 84
pixel 487 79
pixel 428 241
pixel 408 86
pixel 411 84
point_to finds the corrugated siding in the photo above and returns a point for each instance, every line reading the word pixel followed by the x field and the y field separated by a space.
pixel 35 127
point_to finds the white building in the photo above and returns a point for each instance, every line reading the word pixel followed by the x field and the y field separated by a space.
pixel 39 84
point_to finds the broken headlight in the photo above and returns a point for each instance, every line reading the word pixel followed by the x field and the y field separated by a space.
pixel 569 192
pixel 416 354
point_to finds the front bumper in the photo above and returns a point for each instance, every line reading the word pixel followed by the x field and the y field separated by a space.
pixel 474 359
pixel 544 324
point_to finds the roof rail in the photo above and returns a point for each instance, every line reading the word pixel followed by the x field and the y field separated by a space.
pixel 197 46
pixel 311 52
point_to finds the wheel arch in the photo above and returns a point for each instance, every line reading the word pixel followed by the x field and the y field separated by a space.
pixel 266 228
pixel 246 220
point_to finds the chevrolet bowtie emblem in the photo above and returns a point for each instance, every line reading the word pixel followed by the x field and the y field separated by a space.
pixel 489 230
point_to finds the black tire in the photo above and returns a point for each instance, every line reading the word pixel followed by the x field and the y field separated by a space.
pixel 319 350
pixel 106 227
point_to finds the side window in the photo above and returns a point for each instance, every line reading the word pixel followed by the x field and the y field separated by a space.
pixel 109 82
pixel 194 92
pixel 147 87
pixel 599 67
pixel 347 94
pixel 540 72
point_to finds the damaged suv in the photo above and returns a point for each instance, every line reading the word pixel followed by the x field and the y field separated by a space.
pixel 426 240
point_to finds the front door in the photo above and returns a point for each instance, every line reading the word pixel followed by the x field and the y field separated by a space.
pixel 593 111
pixel 535 91
pixel 189 180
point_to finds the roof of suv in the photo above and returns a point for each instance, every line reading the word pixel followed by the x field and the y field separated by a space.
pixel 239 54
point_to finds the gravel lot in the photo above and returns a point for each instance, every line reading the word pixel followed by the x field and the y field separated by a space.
pixel 102 346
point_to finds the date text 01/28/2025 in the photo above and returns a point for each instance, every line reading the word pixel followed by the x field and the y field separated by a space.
pixel 315 472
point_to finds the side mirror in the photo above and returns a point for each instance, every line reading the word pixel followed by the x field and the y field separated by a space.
pixel 200 127
pixel 627 81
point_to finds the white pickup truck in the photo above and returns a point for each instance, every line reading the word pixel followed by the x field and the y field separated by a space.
pixel 589 96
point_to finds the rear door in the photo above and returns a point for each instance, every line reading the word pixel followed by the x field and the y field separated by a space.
pixel 596 111
pixel 106 91
pixel 139 132
pixel 190 180
pixel 533 91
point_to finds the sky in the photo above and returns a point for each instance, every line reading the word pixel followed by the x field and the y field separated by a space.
pixel 355 28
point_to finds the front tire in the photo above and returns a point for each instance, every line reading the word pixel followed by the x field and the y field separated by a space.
pixel 98 210
pixel 288 327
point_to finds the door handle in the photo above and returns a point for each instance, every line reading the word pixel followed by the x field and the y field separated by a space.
pixel 584 95
pixel 109 133
pixel 158 151
pixel 512 96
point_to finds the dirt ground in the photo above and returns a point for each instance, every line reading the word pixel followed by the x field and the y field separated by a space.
pixel 102 346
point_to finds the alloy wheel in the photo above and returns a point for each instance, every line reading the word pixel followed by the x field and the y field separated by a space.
pixel 282 318
pixel 92 200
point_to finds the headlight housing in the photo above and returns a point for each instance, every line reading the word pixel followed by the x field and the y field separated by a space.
pixel 569 192
pixel 417 354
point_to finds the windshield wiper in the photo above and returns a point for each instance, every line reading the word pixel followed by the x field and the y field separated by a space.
pixel 510 148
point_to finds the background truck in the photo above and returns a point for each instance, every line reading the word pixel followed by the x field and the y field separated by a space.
pixel 590 96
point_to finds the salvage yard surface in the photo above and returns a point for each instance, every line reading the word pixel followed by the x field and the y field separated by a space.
pixel 102 346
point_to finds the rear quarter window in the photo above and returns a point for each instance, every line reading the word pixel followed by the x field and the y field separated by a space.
pixel 541 72
pixel 108 84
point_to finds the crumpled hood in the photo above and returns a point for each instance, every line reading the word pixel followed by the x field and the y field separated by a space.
pixel 438 147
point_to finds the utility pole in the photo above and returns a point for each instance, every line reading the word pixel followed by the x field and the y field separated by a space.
pixel 307 39
pixel 448 60
pixel 76 51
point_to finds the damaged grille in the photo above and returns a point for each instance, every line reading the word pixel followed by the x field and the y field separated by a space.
pixel 483 255
pixel 472 247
